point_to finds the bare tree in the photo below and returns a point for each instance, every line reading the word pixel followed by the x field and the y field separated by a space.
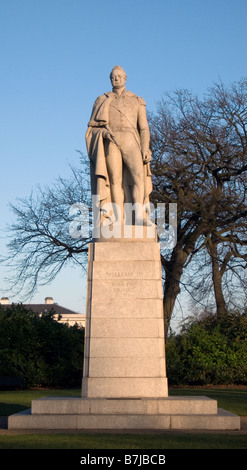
pixel 51 229
pixel 217 276
pixel 200 149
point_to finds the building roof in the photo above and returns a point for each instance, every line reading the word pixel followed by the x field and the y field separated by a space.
pixel 45 308
pixel 62 314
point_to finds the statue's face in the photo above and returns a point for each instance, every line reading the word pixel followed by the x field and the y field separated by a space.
pixel 118 78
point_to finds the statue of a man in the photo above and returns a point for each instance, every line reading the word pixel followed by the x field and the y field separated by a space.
pixel 118 141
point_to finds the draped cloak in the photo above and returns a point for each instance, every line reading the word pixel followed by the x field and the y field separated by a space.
pixel 97 125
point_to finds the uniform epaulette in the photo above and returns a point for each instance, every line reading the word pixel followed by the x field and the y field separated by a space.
pixel 141 100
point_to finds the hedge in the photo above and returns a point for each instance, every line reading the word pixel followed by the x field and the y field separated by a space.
pixel 38 349
pixel 210 350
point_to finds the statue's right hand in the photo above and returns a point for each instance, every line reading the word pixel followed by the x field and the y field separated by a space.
pixel 107 135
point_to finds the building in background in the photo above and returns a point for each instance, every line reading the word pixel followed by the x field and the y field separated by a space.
pixel 67 316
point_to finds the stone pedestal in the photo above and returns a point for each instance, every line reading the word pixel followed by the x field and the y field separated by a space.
pixel 124 343
pixel 124 382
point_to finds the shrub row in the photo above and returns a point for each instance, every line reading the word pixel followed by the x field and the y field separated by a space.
pixel 210 350
pixel 38 349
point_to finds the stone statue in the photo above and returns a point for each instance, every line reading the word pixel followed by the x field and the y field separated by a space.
pixel 117 141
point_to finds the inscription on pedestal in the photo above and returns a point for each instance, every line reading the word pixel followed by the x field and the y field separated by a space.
pixel 123 288
pixel 122 274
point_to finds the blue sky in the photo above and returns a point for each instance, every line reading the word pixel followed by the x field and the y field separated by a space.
pixel 56 56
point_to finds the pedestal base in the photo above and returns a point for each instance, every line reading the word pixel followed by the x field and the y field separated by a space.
pixel 124 354
pixel 99 414
pixel 128 387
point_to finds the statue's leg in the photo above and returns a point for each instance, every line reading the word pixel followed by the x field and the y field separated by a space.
pixel 115 171
pixel 133 160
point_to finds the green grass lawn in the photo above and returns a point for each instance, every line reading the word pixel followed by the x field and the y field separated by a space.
pixel 168 440
pixel 15 401
pixel 234 400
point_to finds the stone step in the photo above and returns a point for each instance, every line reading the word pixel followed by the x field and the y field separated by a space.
pixel 130 251
pixel 124 387
pixel 124 367
pixel 133 328
pixel 127 289
pixel 119 270
pixel 171 405
pixel 127 308
pixel 127 234
pixel 223 420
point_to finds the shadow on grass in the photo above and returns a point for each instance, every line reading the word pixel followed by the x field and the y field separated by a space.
pixel 11 408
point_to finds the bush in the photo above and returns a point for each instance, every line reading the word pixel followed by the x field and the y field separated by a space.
pixel 38 349
pixel 211 350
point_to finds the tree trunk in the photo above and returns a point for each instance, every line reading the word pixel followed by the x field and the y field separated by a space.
pixel 171 291
pixel 217 278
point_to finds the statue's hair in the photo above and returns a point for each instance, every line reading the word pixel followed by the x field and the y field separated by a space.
pixel 118 67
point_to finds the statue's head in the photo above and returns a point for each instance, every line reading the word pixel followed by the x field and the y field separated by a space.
pixel 118 76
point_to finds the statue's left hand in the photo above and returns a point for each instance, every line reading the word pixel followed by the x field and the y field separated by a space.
pixel 146 156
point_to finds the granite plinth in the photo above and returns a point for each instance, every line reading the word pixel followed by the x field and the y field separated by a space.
pixel 124 342
pixel 134 414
